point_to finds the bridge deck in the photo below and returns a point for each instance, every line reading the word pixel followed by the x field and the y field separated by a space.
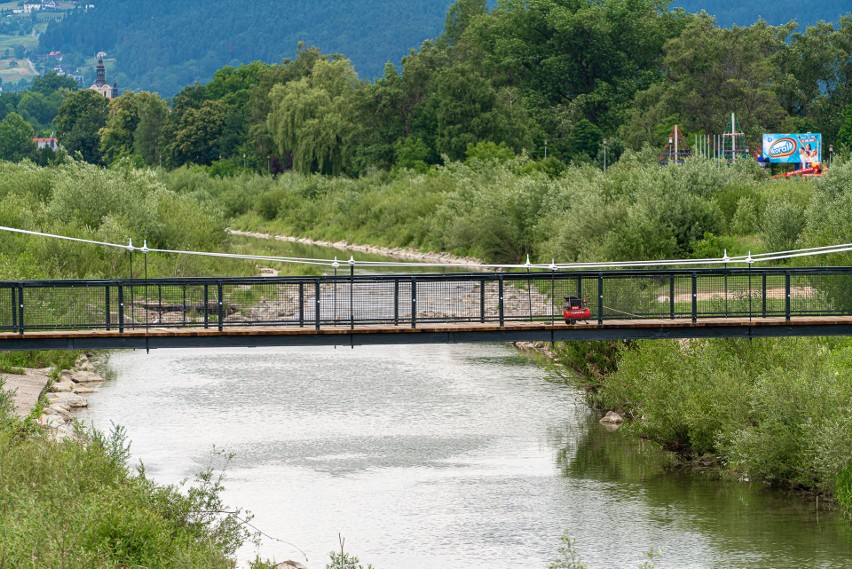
pixel 155 337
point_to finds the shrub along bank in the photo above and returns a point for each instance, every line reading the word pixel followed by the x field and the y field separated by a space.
pixel 777 411
pixel 77 504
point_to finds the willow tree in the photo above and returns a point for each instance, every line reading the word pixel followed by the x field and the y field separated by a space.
pixel 312 118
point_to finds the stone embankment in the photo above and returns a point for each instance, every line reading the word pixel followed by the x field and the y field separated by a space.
pixel 64 395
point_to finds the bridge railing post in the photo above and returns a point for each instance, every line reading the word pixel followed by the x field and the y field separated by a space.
pixel 482 300
pixel 301 304
pixel 14 296
pixel 317 293
pixel 221 305
pixel 787 296
pixel 694 298
pixel 672 297
pixel 414 302
pixel 763 294
pixel 206 306
pixel 106 308
pixel 396 302
pixel 21 308
pixel 500 298
pixel 120 309
pixel 600 299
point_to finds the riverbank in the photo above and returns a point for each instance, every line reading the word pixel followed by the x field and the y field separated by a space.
pixel 769 411
pixel 35 389
pixel 396 252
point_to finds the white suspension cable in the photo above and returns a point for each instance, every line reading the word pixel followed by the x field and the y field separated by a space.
pixel 64 237
pixel 748 259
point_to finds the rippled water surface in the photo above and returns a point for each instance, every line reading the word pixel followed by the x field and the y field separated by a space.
pixel 437 457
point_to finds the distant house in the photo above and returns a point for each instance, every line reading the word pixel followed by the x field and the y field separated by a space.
pixel 49 142
pixel 100 85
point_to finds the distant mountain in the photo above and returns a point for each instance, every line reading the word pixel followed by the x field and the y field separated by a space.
pixel 163 45
pixel 775 12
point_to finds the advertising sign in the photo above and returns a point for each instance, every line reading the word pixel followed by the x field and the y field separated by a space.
pixel 802 149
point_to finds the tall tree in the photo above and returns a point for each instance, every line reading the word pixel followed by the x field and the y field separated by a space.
pixel 81 117
pixel 311 119
pixel 195 135
pixel 16 138
pixel 710 73
pixel 126 113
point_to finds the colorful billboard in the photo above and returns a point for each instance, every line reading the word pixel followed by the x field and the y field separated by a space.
pixel 805 149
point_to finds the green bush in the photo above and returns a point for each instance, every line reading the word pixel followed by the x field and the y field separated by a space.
pixel 777 411
pixel 76 504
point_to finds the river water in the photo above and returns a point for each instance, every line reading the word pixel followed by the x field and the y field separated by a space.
pixel 444 456
pixel 462 456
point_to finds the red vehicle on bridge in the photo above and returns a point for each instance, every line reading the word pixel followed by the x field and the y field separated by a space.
pixel 575 308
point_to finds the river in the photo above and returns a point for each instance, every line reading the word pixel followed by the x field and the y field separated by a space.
pixel 462 456
pixel 444 456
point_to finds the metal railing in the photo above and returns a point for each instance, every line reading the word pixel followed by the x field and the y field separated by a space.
pixel 409 300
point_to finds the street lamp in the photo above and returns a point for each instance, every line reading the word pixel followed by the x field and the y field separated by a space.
pixel 244 160
pixel 545 149
pixel 268 158
pixel 830 154
pixel 671 141
pixel 604 145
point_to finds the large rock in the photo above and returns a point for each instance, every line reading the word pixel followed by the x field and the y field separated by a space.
pixel 56 410
pixel 83 363
pixel 52 421
pixel 62 384
pixel 612 418
pixel 69 400
pixel 86 377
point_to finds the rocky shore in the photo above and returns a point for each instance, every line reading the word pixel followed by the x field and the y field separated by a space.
pixel 64 395
pixel 397 252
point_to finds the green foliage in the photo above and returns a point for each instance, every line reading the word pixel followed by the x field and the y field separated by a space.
pixel 16 138
pixel 569 558
pixel 781 226
pixel 81 116
pixel 310 118
pixel 344 560
pixel 115 519
pixel 60 359
pixel 777 411
pixel 844 490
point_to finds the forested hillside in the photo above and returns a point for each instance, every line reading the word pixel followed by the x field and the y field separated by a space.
pixel 746 12
pixel 162 46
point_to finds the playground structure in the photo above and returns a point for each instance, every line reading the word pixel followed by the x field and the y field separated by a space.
pixel 676 150
pixel 728 147
pixel 803 150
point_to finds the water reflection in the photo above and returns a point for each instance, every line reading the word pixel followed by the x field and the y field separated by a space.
pixel 747 525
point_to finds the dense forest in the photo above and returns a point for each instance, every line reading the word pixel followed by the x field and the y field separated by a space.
pixel 522 77
pixel 162 46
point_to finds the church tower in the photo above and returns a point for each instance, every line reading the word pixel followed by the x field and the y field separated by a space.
pixel 100 85
pixel 101 73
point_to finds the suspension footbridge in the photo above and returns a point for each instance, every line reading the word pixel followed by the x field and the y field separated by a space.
pixel 425 308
